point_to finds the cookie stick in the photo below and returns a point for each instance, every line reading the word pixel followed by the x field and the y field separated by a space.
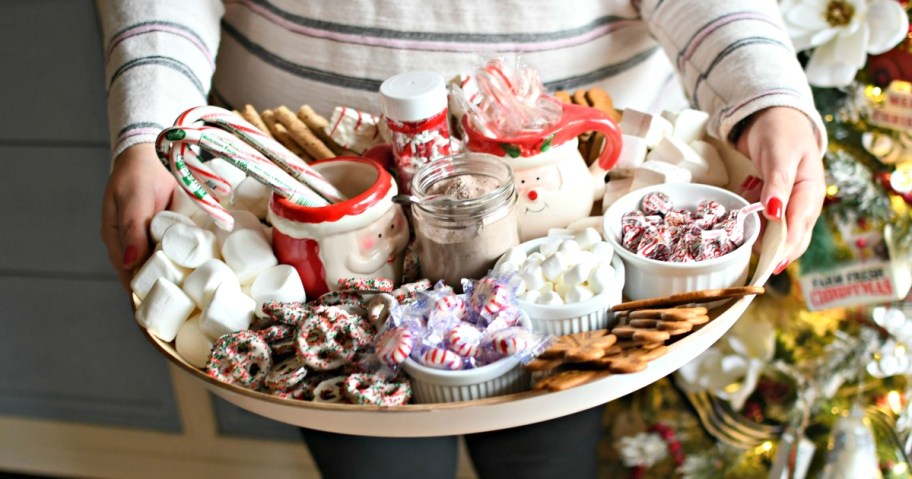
pixel 702 296
pixel 250 114
pixel 282 136
pixel 301 134
pixel 318 124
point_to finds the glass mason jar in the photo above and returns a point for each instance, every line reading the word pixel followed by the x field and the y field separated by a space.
pixel 461 234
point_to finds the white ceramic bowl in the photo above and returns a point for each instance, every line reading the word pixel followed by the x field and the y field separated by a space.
pixel 648 278
pixel 504 376
pixel 571 318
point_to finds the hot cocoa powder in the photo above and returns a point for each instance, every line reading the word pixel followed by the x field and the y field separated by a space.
pixel 467 247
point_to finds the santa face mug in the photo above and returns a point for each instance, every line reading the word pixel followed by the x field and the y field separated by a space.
pixel 361 237
pixel 554 184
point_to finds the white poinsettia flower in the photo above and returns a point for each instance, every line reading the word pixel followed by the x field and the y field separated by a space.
pixel 842 33
pixel 643 449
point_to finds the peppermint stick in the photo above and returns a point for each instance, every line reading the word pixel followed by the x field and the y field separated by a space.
pixel 267 146
pixel 192 187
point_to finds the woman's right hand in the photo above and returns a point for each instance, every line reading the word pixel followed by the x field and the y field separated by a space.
pixel 138 188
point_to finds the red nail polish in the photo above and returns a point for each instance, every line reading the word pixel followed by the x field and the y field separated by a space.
pixel 129 255
pixel 781 267
pixel 774 208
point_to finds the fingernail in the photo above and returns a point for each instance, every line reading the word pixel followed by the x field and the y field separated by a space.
pixel 774 208
pixel 129 255
pixel 784 264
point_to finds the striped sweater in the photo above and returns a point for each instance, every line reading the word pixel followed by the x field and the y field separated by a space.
pixel 732 57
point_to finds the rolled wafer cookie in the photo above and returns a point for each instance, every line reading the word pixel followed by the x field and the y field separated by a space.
pixel 280 134
pixel 250 114
pixel 701 296
pixel 302 134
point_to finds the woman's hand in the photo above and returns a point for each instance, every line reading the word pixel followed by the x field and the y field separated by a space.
pixel 138 188
pixel 782 143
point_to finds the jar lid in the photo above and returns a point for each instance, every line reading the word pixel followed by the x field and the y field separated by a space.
pixel 413 96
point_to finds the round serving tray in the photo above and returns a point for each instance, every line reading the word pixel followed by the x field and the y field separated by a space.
pixel 491 413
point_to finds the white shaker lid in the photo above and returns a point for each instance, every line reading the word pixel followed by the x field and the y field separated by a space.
pixel 413 96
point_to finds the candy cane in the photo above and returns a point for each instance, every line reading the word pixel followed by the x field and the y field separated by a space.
pixel 244 157
pixel 192 187
pixel 265 145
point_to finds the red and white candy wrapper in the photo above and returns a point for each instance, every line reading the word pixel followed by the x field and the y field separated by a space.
pixel 656 203
pixel 394 345
pixel 440 358
pixel 464 340
pixel 488 297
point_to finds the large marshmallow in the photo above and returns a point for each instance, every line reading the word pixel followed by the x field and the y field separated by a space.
pixel 690 125
pixel 248 254
pixel 201 283
pixel 163 220
pixel 253 196
pixel 157 266
pixel 651 128
pixel 192 344
pixel 278 283
pixel 164 310
pixel 676 152
pixel 230 173
pixel 189 246
pixel 228 311
pixel 633 152
pixel 653 173
pixel 243 219
pixel 716 172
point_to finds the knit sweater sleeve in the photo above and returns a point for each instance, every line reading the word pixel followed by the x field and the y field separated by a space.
pixel 159 61
pixel 734 58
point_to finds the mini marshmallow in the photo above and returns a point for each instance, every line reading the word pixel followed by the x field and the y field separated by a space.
pixel 614 190
pixel 554 265
pixel 547 287
pixel 561 287
pixel 551 298
pixel 653 173
pixel 676 152
pixel 192 344
pixel 633 152
pixel 530 296
pixel 504 268
pixel 587 238
pixel 603 251
pixel 550 246
pixel 189 246
pixel 278 283
pixel 669 115
pixel 716 173
pixel 649 127
pixel 163 220
pixel 228 311
pixel 515 255
pixel 243 220
pixel 602 278
pixel 533 277
pixel 578 293
pixel 201 283
pixel 251 195
pixel 571 250
pixel 248 254
pixel 164 310
pixel 157 266
pixel 534 258
pixel 690 125
pixel 577 274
